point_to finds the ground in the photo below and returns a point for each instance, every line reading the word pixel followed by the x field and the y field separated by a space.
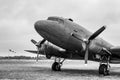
pixel 41 70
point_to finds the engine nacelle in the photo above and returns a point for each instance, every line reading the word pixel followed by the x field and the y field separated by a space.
pixel 50 50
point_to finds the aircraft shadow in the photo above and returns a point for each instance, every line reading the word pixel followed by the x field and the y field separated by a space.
pixel 75 72
pixel 87 72
pixel 80 71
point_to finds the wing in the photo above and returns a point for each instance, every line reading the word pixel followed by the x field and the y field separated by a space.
pixel 31 51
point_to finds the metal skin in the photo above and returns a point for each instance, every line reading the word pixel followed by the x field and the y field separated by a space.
pixel 58 31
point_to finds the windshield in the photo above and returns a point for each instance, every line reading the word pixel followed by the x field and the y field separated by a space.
pixel 58 19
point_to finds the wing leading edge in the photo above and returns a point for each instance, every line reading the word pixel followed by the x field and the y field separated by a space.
pixel 31 51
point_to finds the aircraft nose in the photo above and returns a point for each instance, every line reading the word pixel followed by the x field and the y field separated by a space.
pixel 47 27
pixel 39 25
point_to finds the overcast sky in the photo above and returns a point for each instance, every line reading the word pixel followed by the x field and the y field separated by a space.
pixel 17 18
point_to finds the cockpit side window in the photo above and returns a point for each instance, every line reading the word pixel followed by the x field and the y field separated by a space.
pixel 59 20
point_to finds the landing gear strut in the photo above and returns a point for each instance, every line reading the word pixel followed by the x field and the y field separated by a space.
pixel 56 66
pixel 104 67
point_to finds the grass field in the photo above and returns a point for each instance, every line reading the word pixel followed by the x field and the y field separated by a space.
pixel 71 70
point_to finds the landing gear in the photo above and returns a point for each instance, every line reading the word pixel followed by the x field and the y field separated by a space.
pixel 104 67
pixel 56 66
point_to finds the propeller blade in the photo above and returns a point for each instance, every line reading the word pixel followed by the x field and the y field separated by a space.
pixel 37 54
pixel 42 41
pixel 86 54
pixel 37 57
pixel 33 41
pixel 94 35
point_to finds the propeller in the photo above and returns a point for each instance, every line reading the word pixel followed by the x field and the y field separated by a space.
pixel 88 41
pixel 38 44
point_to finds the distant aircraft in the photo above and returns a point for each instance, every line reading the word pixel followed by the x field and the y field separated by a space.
pixel 71 41
pixel 12 51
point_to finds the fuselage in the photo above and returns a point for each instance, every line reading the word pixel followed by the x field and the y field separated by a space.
pixel 58 31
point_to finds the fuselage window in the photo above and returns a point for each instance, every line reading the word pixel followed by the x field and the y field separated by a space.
pixel 70 19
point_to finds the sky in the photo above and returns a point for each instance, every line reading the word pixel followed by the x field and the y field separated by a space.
pixel 17 18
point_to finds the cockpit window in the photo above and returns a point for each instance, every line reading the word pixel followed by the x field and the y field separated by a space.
pixel 60 20
pixel 70 19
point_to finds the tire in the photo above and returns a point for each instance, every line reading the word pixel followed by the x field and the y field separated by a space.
pixel 103 70
pixel 56 66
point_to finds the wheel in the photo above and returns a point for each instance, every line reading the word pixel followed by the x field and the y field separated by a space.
pixel 103 69
pixel 48 56
pixel 56 66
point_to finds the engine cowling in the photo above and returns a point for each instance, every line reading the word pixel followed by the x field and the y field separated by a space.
pixel 50 50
